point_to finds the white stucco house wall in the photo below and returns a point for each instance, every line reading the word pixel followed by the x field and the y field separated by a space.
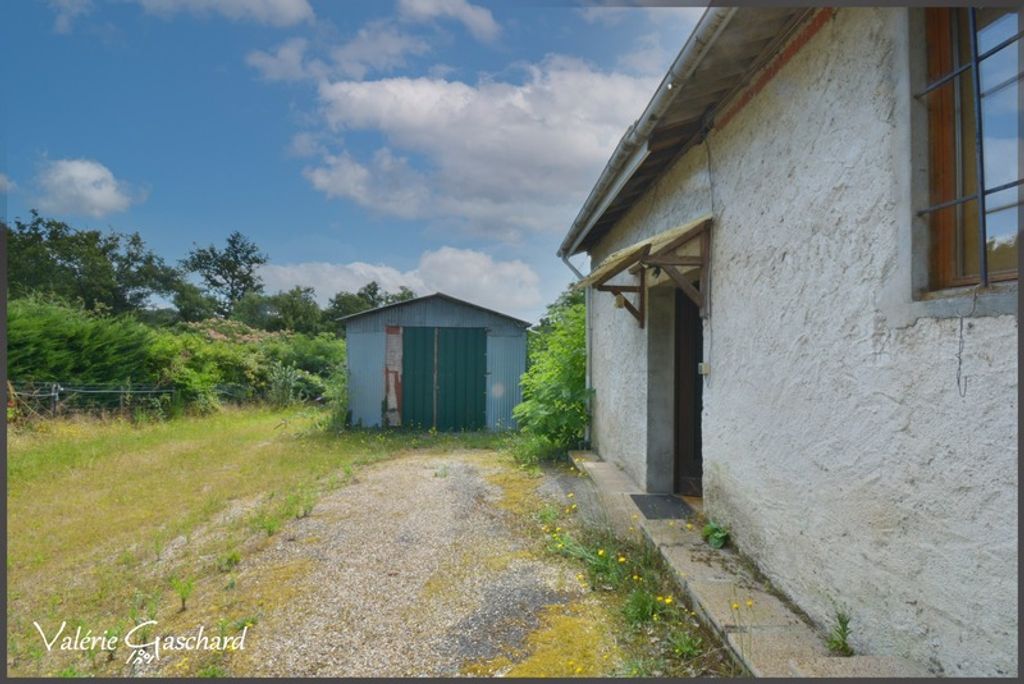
pixel 856 422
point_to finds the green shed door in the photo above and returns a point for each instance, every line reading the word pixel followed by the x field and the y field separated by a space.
pixel 461 378
pixel 444 382
pixel 418 377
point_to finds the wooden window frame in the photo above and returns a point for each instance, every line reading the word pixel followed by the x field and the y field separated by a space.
pixel 945 150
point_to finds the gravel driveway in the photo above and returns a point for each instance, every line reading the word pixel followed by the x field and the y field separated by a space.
pixel 416 568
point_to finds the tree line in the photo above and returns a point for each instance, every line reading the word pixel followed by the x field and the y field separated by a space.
pixel 119 274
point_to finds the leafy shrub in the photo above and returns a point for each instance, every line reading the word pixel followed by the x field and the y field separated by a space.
pixel 554 387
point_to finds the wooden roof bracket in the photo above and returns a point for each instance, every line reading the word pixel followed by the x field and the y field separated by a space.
pixel 637 310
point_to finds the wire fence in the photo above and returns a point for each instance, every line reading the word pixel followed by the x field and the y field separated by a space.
pixel 52 399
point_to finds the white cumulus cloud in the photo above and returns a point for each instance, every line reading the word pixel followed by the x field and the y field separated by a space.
pixel 501 158
pixel 287 62
pixel 508 286
pixel 379 46
pixel 6 184
pixel 82 186
pixel 478 20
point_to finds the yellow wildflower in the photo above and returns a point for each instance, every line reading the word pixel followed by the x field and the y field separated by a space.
pixel 750 603
pixel 735 606
pixel 600 552
pixel 668 600
pixel 689 526
pixel 659 599
pixel 622 559
pixel 570 495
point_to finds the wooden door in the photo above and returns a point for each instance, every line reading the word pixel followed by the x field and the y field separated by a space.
pixel 689 340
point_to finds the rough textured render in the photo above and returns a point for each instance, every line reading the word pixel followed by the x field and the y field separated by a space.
pixel 837 446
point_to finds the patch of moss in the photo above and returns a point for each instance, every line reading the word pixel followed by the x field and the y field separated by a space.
pixel 573 640
pixel 518 491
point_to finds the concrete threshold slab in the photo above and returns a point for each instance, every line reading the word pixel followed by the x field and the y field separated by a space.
pixel 766 635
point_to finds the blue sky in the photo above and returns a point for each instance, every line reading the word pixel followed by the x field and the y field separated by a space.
pixel 439 144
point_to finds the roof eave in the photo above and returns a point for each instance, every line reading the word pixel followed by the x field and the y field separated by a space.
pixel 622 163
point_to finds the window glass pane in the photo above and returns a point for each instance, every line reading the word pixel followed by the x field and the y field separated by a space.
pixel 995 24
pixel 1002 229
pixel 1001 96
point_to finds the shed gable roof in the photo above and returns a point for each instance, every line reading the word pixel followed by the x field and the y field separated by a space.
pixel 437 296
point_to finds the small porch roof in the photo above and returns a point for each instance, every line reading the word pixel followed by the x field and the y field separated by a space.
pixel 664 241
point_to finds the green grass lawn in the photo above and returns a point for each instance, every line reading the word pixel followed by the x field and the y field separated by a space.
pixel 101 515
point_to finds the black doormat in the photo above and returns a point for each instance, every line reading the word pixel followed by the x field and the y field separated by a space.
pixel 661 506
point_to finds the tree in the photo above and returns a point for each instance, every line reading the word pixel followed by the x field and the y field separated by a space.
pixel 228 273
pixel 370 296
pixel 193 304
pixel 295 310
pixel 404 294
pixel 255 310
pixel 113 271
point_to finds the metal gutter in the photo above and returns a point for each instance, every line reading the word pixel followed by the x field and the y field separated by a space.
pixel 630 152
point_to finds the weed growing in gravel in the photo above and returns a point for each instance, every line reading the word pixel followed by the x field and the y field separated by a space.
pixel 267 521
pixel 229 561
pixel 686 645
pixel 183 587
pixel 644 667
pixel 212 671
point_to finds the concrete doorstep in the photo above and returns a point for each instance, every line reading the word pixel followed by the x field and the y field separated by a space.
pixel 766 635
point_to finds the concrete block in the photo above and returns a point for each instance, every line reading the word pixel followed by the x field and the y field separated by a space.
pixel 856 666
pixel 691 562
pixel 769 652
pixel 716 598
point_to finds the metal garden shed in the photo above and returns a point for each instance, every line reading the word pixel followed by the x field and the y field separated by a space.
pixel 435 361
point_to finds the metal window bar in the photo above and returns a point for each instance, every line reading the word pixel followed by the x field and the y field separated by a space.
pixel 979 152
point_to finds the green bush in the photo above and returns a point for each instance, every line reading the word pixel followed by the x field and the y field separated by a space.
pixel 554 388
pixel 48 340
pixel 52 341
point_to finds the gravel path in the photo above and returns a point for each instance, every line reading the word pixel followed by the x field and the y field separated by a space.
pixel 415 569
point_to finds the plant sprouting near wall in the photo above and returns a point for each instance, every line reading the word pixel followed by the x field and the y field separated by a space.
pixel 715 535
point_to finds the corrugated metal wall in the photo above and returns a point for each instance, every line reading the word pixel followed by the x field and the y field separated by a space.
pixel 505 356
pixel 365 376
pixel 506 363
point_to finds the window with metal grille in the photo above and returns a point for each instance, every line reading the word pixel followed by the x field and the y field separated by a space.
pixel 974 98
